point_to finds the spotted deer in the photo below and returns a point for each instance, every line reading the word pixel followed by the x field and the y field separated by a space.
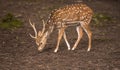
pixel 78 15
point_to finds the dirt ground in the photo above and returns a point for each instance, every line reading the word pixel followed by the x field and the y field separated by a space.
pixel 19 52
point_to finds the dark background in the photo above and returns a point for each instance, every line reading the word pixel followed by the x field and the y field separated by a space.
pixel 19 52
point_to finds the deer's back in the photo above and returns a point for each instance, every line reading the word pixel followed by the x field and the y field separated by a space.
pixel 75 12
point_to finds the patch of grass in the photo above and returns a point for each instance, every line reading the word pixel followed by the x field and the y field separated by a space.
pixel 99 18
pixel 9 21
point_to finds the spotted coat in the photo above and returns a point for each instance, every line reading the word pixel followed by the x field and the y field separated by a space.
pixel 70 13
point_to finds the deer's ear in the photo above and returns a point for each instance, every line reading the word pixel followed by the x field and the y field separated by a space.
pixel 39 33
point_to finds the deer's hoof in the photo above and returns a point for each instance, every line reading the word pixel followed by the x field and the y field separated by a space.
pixel 73 48
pixel 88 49
pixel 55 51
pixel 68 48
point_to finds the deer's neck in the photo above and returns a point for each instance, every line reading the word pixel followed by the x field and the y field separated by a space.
pixel 49 30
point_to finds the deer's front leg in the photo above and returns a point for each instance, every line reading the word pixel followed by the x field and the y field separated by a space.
pixel 60 34
pixel 65 38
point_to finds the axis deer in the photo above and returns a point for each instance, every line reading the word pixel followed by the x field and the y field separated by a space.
pixel 78 15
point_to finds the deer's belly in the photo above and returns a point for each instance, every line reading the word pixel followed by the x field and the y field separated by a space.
pixel 67 24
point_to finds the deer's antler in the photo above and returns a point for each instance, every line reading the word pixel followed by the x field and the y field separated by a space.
pixel 33 26
pixel 43 27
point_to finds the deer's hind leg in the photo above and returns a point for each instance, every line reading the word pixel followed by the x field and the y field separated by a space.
pixel 89 34
pixel 80 34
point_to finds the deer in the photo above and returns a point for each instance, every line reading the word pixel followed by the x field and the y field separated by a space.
pixel 78 15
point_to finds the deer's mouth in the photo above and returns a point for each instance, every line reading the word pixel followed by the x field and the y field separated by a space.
pixel 40 48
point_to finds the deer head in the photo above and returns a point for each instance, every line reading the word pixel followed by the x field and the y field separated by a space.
pixel 39 37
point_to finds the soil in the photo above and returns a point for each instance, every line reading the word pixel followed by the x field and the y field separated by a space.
pixel 18 50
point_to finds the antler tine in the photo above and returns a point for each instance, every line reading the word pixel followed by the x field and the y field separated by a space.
pixel 43 27
pixel 33 26
pixel 32 36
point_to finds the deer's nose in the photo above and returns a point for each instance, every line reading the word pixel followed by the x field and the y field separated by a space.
pixel 39 48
